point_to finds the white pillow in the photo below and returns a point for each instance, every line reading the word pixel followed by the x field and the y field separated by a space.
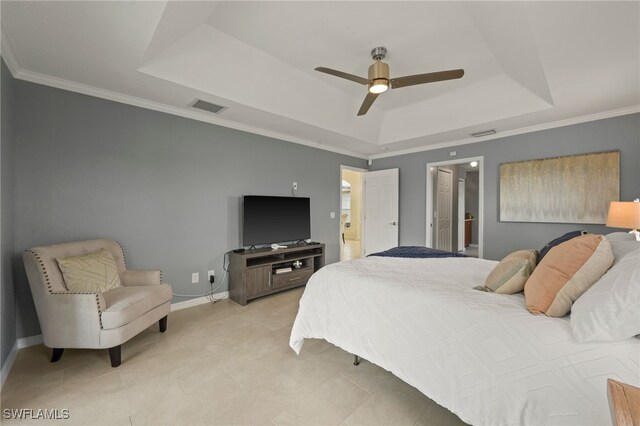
pixel 610 309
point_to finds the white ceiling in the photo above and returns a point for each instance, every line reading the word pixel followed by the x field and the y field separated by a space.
pixel 527 65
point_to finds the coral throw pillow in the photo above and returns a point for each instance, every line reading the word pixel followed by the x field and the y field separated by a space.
pixel 565 273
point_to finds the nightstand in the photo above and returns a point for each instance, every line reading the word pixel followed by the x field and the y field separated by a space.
pixel 624 401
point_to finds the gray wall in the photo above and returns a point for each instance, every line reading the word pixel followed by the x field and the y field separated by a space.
pixel 168 188
pixel 622 133
pixel 471 204
pixel 7 297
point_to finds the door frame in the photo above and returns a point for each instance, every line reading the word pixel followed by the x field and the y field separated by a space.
pixel 429 190
pixel 355 169
pixel 461 208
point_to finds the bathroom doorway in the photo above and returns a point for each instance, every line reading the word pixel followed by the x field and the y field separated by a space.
pixel 351 212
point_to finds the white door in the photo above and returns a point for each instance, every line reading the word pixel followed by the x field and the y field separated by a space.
pixel 444 205
pixel 381 195
pixel 461 194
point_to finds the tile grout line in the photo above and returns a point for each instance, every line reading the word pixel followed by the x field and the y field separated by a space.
pixel 354 383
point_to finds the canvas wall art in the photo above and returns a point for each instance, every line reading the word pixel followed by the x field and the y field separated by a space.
pixel 571 189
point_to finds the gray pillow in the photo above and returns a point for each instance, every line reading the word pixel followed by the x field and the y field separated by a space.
pixel 509 276
pixel 622 243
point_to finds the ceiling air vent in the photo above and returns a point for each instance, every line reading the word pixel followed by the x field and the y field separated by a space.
pixel 484 133
pixel 208 106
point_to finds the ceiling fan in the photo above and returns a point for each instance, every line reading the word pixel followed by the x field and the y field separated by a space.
pixel 379 81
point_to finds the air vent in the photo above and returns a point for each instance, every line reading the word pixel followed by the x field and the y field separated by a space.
pixel 208 106
pixel 484 133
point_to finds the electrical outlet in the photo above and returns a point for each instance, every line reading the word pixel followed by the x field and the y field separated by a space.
pixel 211 274
pixel 295 186
pixel 195 278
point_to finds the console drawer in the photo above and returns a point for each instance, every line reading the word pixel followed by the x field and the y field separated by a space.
pixel 297 276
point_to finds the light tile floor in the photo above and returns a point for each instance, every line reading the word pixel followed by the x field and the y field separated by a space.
pixel 471 251
pixel 218 364
pixel 351 249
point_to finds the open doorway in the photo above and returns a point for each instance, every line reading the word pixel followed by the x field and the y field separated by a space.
pixel 351 212
pixel 455 205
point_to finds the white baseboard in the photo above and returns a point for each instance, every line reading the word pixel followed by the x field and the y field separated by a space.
pixel 25 342
pixel 6 368
pixel 197 301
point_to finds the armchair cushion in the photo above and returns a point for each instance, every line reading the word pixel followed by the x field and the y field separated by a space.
pixel 91 272
pixel 125 304
pixel 132 277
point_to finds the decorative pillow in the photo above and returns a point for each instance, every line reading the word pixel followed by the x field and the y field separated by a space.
pixel 622 243
pixel 94 272
pixel 566 272
pixel 509 276
pixel 610 310
pixel 557 241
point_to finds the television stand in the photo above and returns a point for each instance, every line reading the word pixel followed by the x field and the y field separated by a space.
pixel 261 272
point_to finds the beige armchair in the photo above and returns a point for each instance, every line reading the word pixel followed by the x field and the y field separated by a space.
pixel 93 320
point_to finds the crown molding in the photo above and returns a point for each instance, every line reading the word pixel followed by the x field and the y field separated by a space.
pixel 34 77
pixel 530 129
pixel 6 50
pixel 85 89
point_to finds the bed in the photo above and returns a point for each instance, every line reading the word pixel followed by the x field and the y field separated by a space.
pixel 481 355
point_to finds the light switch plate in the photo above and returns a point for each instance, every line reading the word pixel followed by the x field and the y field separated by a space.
pixel 332 215
pixel 195 277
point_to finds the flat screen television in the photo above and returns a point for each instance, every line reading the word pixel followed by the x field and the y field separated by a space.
pixel 269 220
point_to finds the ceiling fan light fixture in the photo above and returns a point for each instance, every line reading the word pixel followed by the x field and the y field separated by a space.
pixel 379 85
pixel 378 80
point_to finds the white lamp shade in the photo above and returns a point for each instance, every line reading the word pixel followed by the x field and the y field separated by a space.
pixel 624 214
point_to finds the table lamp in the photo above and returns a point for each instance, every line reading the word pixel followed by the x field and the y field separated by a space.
pixel 625 214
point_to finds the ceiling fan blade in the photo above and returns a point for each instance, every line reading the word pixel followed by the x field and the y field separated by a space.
pixel 432 77
pixel 368 101
pixel 345 75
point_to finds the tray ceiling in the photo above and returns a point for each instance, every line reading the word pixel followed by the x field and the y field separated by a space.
pixel 526 63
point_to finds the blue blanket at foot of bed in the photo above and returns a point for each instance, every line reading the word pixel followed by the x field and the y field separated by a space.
pixel 416 252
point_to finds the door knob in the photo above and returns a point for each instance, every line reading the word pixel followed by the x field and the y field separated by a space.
pixel 393 223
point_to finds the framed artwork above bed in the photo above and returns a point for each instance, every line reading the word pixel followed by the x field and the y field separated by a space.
pixel 570 189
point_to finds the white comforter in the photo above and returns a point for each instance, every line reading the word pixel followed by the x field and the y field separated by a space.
pixel 481 355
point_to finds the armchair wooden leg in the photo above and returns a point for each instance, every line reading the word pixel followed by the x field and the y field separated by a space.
pixel 115 354
pixel 56 354
pixel 163 324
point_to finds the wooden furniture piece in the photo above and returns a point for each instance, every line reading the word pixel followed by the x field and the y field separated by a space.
pixel 468 223
pixel 253 272
pixel 624 401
